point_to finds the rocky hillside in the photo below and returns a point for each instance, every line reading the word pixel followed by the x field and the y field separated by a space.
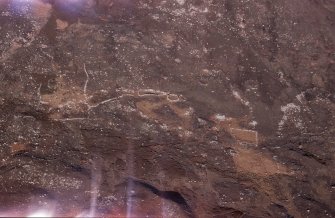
pixel 180 108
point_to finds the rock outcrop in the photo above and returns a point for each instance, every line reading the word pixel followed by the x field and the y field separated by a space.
pixel 182 108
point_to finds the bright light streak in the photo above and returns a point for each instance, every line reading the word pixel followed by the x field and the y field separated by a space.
pixel 41 213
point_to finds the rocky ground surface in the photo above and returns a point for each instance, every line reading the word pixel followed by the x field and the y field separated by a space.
pixel 181 108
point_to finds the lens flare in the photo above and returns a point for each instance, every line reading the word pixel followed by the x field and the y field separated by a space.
pixel 30 8
pixel 41 213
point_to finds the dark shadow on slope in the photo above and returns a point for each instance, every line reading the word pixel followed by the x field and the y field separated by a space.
pixel 168 195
